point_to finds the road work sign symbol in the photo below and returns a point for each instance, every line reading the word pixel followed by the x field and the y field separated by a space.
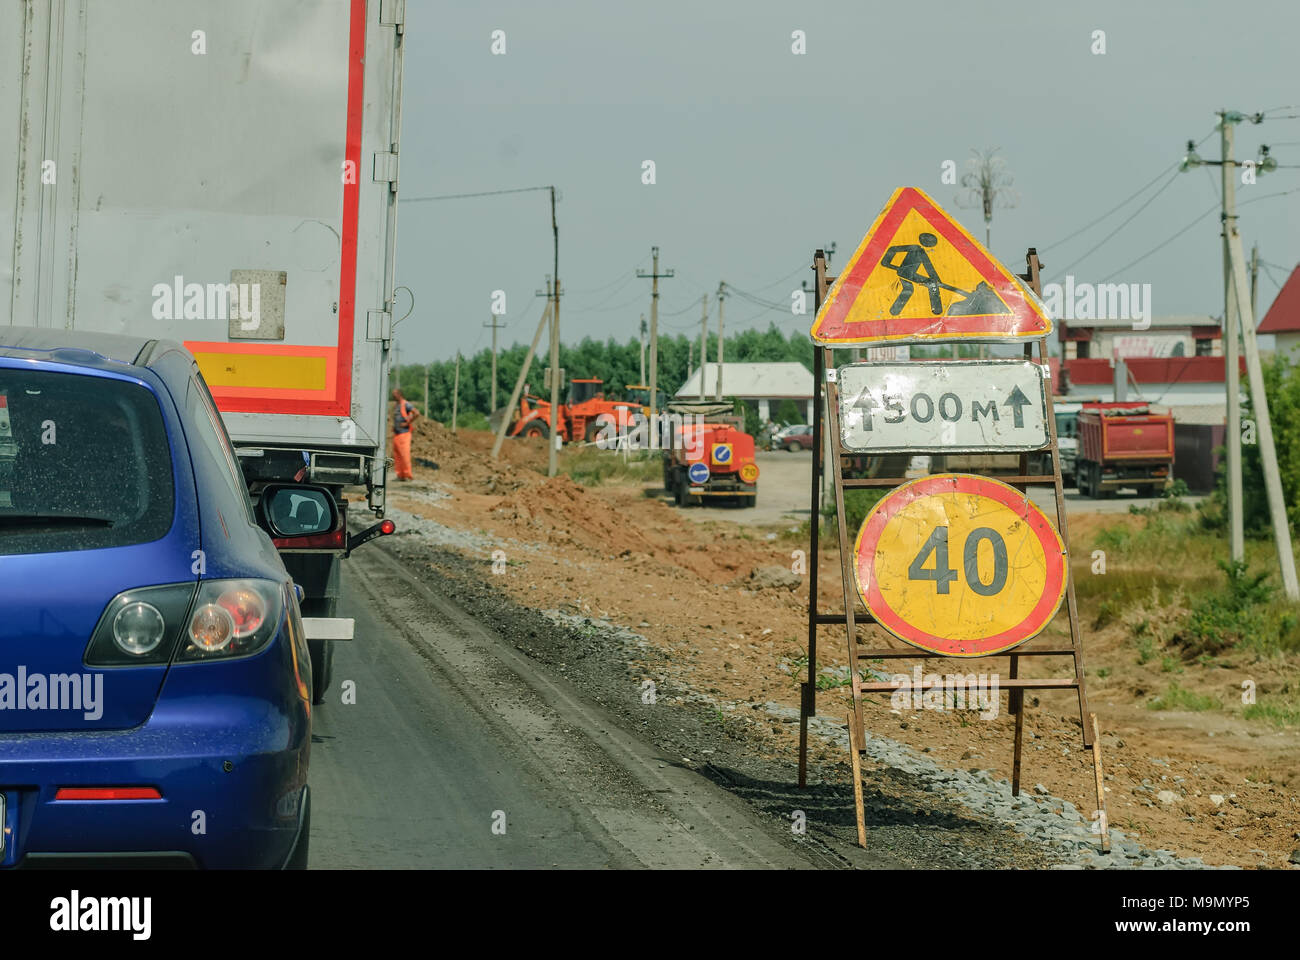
pixel 721 454
pixel 919 276
pixel 944 406
pixel 698 472
pixel 960 565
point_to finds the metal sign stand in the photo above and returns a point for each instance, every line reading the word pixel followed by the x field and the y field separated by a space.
pixel 826 415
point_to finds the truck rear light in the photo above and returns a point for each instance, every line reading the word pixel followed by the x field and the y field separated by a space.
pixel 336 539
pixel 108 793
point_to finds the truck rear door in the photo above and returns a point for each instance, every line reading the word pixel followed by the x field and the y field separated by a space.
pixel 219 174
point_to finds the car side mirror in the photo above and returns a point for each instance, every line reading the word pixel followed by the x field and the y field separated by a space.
pixel 298 510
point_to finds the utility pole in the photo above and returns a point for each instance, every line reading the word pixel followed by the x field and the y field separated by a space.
pixel 426 389
pixel 704 338
pixel 1236 528
pixel 642 380
pixel 513 405
pixel 654 276
pixel 552 466
pixel 492 404
pixel 721 295
pixel 455 394
pixel 1255 371
pixel 553 438
pixel 1254 277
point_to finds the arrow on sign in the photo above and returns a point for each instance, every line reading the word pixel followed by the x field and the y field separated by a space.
pixel 866 405
pixel 1017 401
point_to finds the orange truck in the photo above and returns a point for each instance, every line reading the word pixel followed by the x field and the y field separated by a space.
pixel 1123 445
pixel 710 456
pixel 582 417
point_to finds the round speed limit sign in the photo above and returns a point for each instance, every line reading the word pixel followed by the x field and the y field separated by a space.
pixel 960 565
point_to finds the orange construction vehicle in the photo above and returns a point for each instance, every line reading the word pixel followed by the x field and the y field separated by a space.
pixel 711 455
pixel 585 414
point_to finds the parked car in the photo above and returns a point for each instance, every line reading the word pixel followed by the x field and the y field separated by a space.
pixel 155 680
pixel 796 437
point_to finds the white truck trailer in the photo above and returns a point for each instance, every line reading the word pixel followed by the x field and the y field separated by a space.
pixel 223 175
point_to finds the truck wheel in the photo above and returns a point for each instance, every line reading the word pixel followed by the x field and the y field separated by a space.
pixel 749 501
pixel 322 651
pixel 537 431
pixel 792 447
pixel 679 492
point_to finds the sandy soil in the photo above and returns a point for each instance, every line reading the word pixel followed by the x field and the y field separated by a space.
pixel 685 585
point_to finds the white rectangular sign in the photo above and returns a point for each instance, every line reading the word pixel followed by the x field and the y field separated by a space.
pixel 943 405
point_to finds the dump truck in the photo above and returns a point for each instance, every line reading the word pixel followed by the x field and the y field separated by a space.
pixel 710 455
pixel 234 190
pixel 585 415
pixel 1123 445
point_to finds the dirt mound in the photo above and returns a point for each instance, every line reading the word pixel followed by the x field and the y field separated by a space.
pixel 464 458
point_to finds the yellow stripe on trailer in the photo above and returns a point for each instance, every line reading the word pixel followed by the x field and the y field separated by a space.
pixel 263 371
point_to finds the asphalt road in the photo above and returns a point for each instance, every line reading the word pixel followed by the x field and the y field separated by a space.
pixel 454 732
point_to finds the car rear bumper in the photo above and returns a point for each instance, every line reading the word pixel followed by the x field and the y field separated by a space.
pixel 231 778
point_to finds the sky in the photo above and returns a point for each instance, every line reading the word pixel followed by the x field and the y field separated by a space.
pixel 763 155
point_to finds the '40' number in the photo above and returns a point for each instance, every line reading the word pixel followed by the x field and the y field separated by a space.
pixel 942 574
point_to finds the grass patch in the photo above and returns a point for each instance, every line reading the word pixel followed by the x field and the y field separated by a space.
pixel 591 466
pixel 1178 698
pixel 857 504
pixel 1280 715
pixel 1244 613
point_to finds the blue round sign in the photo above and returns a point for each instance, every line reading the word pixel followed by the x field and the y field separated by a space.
pixel 698 472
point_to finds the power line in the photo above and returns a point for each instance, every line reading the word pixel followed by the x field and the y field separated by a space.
pixel 466 196
pixel 1142 189
pixel 1208 211
pixel 1104 240
pixel 1132 263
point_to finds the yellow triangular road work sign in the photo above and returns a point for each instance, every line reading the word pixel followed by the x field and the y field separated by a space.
pixel 918 276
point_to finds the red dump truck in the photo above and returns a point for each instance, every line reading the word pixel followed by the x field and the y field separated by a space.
pixel 1123 445
pixel 710 455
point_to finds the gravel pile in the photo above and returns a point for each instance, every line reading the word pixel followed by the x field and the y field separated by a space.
pixel 1035 813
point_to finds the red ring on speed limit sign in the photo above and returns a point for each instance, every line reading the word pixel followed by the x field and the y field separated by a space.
pixel 960 565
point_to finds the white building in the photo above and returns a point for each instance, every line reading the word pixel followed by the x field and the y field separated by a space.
pixel 767 384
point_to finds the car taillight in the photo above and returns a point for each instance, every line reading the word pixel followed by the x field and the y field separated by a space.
pixel 212 628
pixel 138 628
pixel 246 607
pixel 232 618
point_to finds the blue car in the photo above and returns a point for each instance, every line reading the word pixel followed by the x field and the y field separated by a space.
pixel 155 681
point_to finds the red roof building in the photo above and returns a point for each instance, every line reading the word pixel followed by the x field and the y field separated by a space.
pixel 1283 318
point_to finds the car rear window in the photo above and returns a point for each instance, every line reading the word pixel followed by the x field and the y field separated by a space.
pixel 84 463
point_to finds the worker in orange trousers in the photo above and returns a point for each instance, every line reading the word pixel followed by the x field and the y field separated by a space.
pixel 404 415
